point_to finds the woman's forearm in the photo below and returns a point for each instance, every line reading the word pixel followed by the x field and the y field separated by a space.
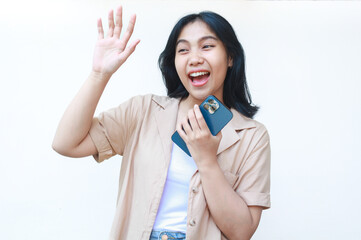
pixel 229 211
pixel 76 121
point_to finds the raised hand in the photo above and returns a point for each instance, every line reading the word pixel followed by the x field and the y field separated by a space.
pixel 111 51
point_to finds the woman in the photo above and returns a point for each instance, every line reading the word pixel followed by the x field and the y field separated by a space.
pixel 219 192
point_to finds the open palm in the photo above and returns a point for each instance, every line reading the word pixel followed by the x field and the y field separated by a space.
pixel 111 51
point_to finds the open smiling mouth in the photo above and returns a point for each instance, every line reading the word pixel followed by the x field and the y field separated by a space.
pixel 198 79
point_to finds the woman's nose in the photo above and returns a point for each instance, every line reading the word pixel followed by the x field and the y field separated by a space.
pixel 195 59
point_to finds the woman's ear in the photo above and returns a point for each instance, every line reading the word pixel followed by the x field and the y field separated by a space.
pixel 230 62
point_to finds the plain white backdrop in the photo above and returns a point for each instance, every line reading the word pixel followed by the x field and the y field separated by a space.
pixel 303 64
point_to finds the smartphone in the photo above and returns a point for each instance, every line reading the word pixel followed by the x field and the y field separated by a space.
pixel 216 116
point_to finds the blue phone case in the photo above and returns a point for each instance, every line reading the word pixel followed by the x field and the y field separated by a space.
pixel 216 116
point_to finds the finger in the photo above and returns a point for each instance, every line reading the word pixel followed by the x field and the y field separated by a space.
pixel 200 119
pixel 128 51
pixel 111 23
pixel 128 32
pixel 181 132
pixel 193 121
pixel 118 22
pixel 100 29
pixel 186 127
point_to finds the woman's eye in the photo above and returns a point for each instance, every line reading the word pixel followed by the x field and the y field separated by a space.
pixel 182 50
pixel 207 46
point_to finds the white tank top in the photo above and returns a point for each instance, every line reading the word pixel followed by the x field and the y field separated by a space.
pixel 172 212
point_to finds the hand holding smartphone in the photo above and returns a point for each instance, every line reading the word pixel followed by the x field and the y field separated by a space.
pixel 216 116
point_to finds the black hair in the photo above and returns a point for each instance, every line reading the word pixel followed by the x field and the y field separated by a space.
pixel 235 91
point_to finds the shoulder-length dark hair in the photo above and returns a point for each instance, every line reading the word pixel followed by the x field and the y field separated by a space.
pixel 235 91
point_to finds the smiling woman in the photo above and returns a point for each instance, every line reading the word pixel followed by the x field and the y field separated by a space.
pixel 201 62
pixel 213 31
pixel 217 193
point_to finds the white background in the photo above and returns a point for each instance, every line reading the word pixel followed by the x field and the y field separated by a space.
pixel 304 71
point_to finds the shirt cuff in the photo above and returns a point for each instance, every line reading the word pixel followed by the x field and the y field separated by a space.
pixel 101 142
pixel 256 199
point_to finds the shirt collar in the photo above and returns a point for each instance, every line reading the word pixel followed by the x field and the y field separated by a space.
pixel 229 132
pixel 238 122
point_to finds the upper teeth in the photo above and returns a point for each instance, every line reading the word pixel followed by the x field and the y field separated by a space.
pixel 196 74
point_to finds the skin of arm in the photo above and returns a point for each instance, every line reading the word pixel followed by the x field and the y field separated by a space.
pixel 72 138
pixel 231 214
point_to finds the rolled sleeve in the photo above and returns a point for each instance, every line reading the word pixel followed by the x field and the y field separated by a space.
pixel 101 141
pixel 112 129
pixel 256 199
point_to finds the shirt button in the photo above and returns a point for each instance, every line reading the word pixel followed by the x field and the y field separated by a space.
pixel 194 189
pixel 164 237
pixel 192 223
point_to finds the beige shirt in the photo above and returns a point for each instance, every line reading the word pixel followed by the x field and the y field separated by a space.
pixel 140 130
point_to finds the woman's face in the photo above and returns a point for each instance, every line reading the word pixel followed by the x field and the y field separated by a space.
pixel 201 61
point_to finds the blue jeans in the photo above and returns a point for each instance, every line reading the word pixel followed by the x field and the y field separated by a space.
pixel 157 235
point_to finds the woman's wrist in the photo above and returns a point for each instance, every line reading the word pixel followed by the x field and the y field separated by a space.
pixel 100 77
pixel 207 164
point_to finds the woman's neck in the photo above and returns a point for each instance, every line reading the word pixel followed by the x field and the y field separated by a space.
pixel 185 105
pixel 189 102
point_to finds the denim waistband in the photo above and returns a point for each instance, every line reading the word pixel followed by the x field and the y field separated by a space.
pixel 157 235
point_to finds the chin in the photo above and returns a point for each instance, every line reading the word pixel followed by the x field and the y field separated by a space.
pixel 199 96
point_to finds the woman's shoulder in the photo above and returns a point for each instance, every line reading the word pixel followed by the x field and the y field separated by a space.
pixel 247 128
pixel 148 98
pixel 240 122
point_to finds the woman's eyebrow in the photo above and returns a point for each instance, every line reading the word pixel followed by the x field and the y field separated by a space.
pixel 200 40
pixel 208 37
